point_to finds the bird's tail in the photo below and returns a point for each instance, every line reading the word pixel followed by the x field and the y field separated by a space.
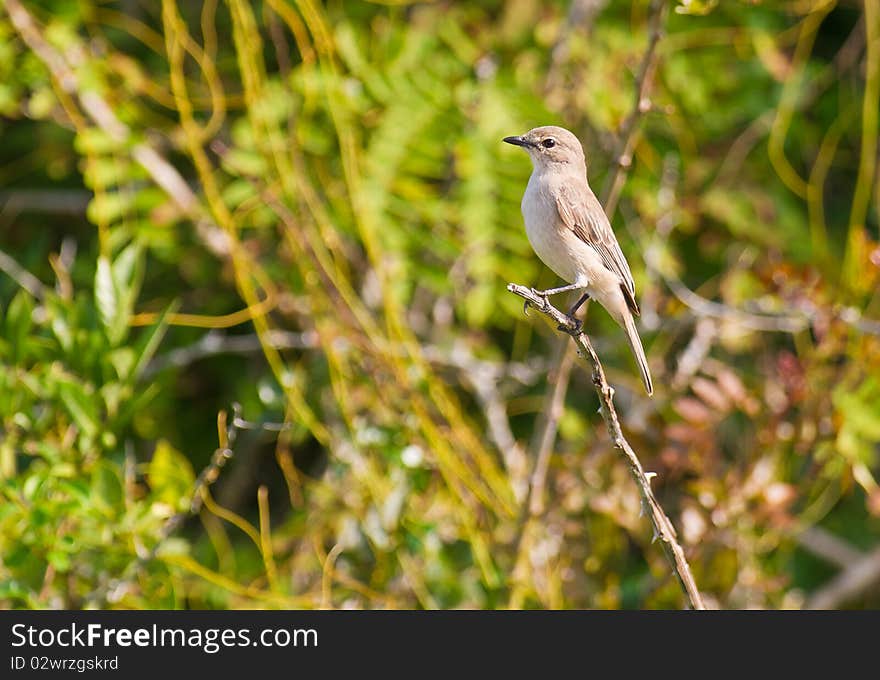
pixel 632 334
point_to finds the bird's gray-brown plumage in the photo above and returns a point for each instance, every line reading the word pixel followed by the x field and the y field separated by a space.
pixel 583 214
pixel 570 232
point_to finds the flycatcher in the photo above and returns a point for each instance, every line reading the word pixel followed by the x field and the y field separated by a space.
pixel 569 231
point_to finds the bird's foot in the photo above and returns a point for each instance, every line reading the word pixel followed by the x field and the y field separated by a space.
pixel 575 325
pixel 541 294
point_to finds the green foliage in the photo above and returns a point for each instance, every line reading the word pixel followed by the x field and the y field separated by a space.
pixel 306 210
pixel 70 393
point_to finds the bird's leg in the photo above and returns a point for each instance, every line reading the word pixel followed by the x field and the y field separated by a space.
pixel 555 291
pixel 562 289
pixel 577 305
pixel 571 312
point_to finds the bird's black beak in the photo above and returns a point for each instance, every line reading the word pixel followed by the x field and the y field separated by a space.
pixel 519 141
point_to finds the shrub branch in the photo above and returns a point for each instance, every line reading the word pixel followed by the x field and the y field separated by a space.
pixel 663 528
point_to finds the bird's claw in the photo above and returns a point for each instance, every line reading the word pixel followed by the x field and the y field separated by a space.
pixel 526 306
pixel 541 294
pixel 576 325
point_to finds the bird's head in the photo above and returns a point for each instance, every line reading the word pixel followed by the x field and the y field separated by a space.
pixel 550 145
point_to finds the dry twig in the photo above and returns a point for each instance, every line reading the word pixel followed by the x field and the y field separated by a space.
pixel 663 528
pixel 22 276
pixel 829 547
pixel 626 138
pixel 581 16
pixel 853 581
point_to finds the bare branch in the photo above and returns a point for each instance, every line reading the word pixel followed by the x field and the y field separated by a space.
pixel 695 353
pixel 626 138
pixel 581 16
pixel 215 343
pixel 545 434
pixel 778 323
pixel 704 309
pixel 831 548
pixel 663 528
pixel 484 378
pixel 707 308
pixel 553 413
pixel 858 577
pixel 45 201
pixel 22 276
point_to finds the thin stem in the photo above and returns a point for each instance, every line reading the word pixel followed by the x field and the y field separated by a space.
pixel 626 138
pixel 663 528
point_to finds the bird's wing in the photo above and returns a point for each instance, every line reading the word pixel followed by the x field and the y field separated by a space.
pixel 582 213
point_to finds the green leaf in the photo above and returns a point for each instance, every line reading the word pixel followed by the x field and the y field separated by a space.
pixel 59 559
pixel 107 493
pixel 12 589
pixel 81 406
pixel 174 547
pixel 105 293
pixel 32 484
pixel 77 488
pixel 19 320
pixel 149 342
pixel 62 331
pixel 126 265
pixel 696 7
pixel 860 409
pixel 108 208
pixel 135 405
pixel 95 141
pixel 116 289
pixel 122 359
pixel 171 476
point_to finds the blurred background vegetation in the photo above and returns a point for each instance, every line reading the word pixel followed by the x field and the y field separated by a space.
pixel 256 348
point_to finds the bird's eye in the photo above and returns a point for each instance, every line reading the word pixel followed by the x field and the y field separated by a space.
pixel 548 143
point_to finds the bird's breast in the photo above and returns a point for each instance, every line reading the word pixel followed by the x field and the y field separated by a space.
pixel 544 229
pixel 558 246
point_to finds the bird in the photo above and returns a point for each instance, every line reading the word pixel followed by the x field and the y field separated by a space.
pixel 571 234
